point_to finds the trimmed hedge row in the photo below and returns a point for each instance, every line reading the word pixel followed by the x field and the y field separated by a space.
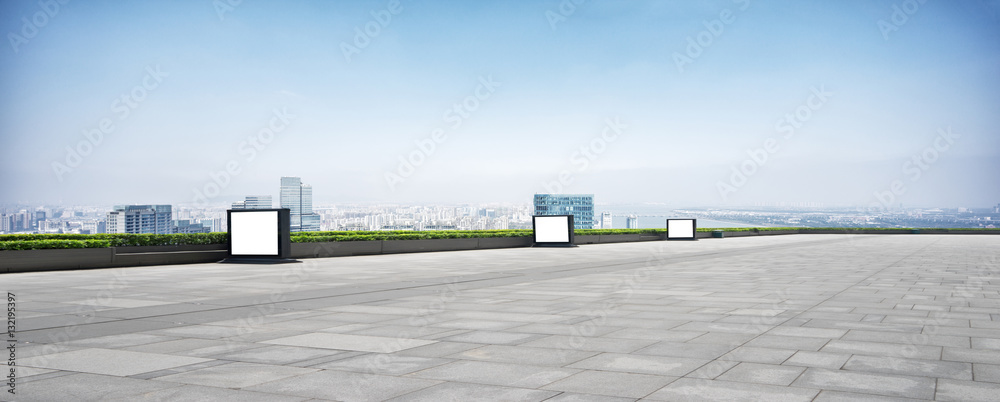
pixel 9 242
pixel 314 237
pixel 40 244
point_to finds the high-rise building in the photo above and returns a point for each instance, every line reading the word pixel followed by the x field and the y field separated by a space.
pixel 254 202
pixel 996 210
pixel 24 220
pixel 606 220
pixel 581 206
pixel 39 217
pixel 140 219
pixel 297 197
pixel 632 222
pixel 8 223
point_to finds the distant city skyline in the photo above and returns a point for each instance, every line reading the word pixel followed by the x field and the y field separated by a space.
pixel 691 104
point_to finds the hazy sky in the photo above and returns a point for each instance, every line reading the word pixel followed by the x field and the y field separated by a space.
pixel 667 98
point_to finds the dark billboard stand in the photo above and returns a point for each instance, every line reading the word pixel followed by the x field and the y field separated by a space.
pixel 553 230
pixel 259 236
pixel 682 229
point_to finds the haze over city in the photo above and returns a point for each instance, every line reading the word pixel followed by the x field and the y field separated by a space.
pixel 682 103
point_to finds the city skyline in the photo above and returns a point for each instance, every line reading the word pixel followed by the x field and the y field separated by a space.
pixel 722 103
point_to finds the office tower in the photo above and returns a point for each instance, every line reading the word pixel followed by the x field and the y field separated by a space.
pixel 632 222
pixel 254 202
pixel 997 209
pixel 140 219
pixel 606 220
pixel 24 220
pixel 213 225
pixel 39 217
pixel 297 197
pixel 8 223
pixel 581 206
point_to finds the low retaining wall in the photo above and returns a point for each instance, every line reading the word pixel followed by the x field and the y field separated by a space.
pixel 110 257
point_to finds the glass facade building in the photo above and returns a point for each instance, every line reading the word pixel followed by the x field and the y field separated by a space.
pixel 140 219
pixel 581 206
pixel 297 197
pixel 254 202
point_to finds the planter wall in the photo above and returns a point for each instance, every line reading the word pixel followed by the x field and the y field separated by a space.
pixel 54 260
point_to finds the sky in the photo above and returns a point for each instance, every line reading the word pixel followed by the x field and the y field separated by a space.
pixel 691 104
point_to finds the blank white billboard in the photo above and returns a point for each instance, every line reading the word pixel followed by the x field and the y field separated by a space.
pixel 552 229
pixel 680 228
pixel 254 233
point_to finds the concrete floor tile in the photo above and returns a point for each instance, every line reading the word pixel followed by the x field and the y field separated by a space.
pixel 654 334
pixel 524 355
pixel 759 355
pixel 198 393
pixel 683 349
pixel 631 363
pixel 590 344
pixel 912 367
pixel 492 337
pixel 691 389
pixel 509 375
pixel 788 342
pixel 840 396
pixel 884 349
pixel 439 349
pixel 277 354
pixel 966 391
pixel 986 372
pixel 867 383
pixel 453 391
pixel 832 361
pixel 344 386
pixel 108 362
pixel 384 364
pixel 236 375
pixel 607 383
pixel 971 355
pixel 87 387
pixel 762 374
pixel 361 343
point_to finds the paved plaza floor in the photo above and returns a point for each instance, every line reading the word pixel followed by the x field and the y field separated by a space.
pixel 783 318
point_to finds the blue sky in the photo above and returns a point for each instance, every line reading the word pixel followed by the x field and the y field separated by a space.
pixel 343 125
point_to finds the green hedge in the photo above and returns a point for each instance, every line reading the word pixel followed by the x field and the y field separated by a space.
pixel 41 241
pixel 40 244
pixel 313 237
